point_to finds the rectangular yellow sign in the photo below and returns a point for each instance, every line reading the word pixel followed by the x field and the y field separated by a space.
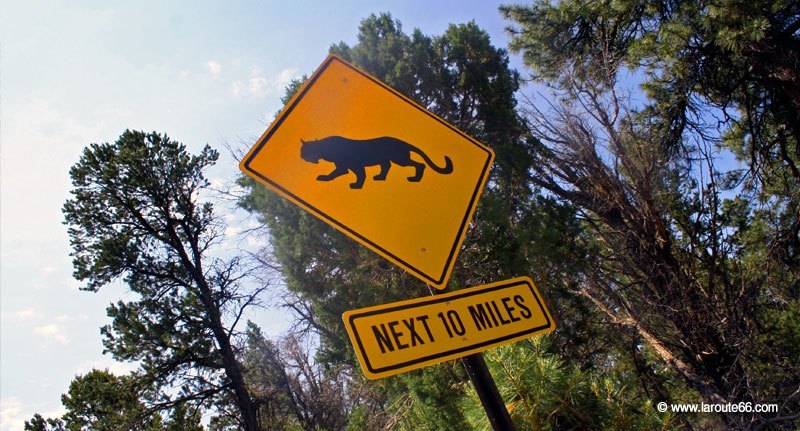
pixel 377 166
pixel 403 336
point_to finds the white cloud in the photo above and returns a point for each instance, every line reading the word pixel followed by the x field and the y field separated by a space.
pixel 11 417
pixel 259 85
pixel 256 241
pixel 217 183
pixel 27 313
pixel 285 77
pixel 43 141
pixel 232 231
pixel 114 367
pixel 214 68
pixel 53 332
pixel 82 317
pixel 73 284
pixel 236 89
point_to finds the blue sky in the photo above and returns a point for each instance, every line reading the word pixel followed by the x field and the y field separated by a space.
pixel 73 73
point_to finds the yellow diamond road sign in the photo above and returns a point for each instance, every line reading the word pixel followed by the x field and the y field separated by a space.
pixel 402 336
pixel 375 165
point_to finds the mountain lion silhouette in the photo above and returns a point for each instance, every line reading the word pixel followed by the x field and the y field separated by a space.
pixel 354 155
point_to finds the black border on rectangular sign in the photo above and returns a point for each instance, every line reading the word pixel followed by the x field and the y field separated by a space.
pixel 444 298
pixel 435 280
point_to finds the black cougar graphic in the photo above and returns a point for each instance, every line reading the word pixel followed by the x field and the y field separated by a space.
pixel 355 155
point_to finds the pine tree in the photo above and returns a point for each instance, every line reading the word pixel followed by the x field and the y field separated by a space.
pixel 696 276
pixel 135 215
pixel 101 401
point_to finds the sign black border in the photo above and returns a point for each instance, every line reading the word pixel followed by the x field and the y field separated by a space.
pixel 440 281
pixel 445 298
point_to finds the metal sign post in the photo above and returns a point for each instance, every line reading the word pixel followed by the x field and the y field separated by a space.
pixel 487 392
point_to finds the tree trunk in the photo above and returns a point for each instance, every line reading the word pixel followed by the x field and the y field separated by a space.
pixel 710 394
pixel 230 363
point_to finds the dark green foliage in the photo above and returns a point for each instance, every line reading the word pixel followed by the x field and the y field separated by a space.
pixel 543 392
pixel 102 401
pixel 183 418
pixel 126 198
pixel 431 399
pixel 38 423
pixel 135 215
pixel 697 275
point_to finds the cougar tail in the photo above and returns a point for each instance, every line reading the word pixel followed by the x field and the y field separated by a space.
pixel 448 164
